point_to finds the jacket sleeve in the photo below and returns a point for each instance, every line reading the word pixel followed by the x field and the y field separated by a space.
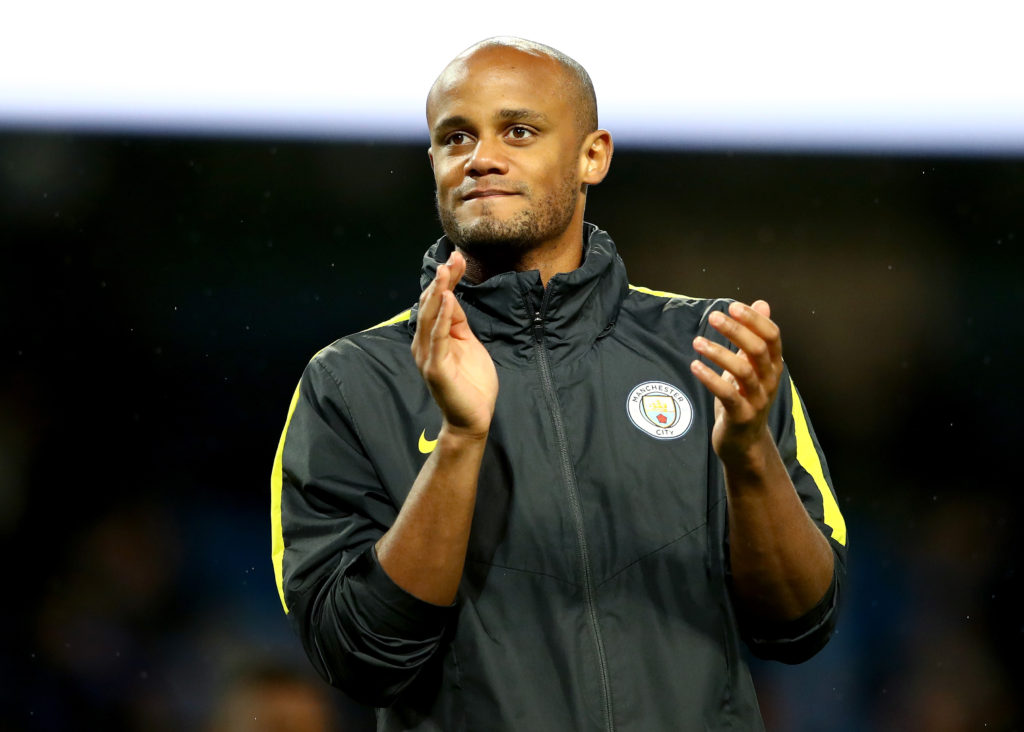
pixel 362 632
pixel 800 639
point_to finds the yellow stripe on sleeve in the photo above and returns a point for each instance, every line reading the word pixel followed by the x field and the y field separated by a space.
pixel 658 293
pixel 276 483
pixel 808 458
pixel 401 317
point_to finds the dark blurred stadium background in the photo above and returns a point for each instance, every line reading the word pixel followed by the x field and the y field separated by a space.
pixel 160 297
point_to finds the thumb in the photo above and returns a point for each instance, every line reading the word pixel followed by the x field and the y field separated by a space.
pixel 460 323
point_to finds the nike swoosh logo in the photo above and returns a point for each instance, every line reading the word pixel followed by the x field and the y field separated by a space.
pixel 426 446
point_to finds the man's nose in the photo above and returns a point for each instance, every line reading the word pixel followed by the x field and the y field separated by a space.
pixel 487 159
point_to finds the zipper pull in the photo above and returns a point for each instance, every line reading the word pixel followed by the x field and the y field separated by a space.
pixel 538 327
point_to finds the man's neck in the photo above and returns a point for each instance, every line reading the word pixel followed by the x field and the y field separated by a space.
pixel 550 258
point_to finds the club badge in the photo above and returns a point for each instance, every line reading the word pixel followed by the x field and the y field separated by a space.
pixel 660 410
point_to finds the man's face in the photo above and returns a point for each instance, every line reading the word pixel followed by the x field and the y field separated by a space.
pixel 505 149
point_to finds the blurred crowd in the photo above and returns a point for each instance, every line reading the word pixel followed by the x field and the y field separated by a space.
pixel 159 300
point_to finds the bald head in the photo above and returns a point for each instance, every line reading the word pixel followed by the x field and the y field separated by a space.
pixel 576 81
pixel 514 145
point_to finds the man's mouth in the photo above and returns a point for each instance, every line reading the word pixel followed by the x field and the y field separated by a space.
pixel 487 193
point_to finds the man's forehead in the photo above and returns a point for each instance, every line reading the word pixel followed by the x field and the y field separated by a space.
pixel 494 65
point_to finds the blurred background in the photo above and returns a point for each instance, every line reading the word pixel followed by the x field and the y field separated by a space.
pixel 167 272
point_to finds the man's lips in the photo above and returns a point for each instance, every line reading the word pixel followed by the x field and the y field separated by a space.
pixel 487 193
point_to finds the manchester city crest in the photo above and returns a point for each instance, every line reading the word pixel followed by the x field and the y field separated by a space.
pixel 659 409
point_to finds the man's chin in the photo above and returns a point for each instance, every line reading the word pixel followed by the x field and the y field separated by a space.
pixel 489 216
pixel 491 243
pixel 492 232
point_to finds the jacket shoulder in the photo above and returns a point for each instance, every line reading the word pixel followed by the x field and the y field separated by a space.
pixel 376 342
pixel 643 299
pixel 400 320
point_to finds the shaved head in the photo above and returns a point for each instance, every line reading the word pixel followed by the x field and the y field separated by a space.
pixel 577 80
pixel 514 144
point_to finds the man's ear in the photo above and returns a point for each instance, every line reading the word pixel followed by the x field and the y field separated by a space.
pixel 430 154
pixel 596 156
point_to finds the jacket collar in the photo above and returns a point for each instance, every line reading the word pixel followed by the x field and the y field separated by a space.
pixel 574 310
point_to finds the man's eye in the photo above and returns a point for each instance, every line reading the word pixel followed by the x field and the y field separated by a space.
pixel 457 138
pixel 520 133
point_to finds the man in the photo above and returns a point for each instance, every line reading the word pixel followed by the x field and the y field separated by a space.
pixel 568 506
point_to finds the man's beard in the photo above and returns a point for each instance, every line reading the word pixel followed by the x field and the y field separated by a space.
pixel 494 240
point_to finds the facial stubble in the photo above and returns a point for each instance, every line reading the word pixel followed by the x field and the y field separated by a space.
pixel 491 239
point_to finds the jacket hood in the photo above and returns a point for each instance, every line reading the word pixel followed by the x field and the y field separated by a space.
pixel 576 308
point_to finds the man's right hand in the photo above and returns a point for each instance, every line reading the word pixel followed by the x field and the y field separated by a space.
pixel 457 368
pixel 424 551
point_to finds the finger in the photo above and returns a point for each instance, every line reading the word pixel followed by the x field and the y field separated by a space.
pixel 456 267
pixel 430 305
pixel 720 387
pixel 737 364
pixel 460 323
pixel 418 336
pixel 765 355
pixel 440 333
pixel 746 340
pixel 757 318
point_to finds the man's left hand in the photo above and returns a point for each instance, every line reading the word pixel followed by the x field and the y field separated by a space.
pixel 746 388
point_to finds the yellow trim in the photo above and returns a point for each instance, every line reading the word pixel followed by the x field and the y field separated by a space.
pixel 658 293
pixel 400 318
pixel 276 483
pixel 807 456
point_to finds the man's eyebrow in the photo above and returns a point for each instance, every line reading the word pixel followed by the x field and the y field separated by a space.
pixel 450 123
pixel 521 115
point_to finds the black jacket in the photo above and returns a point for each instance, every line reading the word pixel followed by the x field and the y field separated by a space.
pixel 596 589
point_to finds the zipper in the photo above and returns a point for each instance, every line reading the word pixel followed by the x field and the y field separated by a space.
pixel 569 475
